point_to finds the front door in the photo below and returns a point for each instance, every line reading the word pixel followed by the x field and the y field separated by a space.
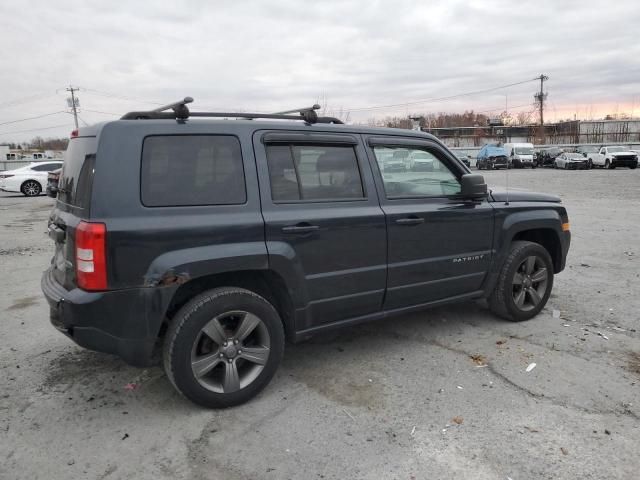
pixel 440 245
pixel 321 218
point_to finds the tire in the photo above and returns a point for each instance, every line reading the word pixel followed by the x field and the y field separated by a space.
pixel 223 365
pixel 31 188
pixel 589 164
pixel 503 299
pixel 633 166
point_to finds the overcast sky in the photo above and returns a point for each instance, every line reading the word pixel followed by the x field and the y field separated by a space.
pixel 275 54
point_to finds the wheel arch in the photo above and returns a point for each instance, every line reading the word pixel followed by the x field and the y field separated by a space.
pixel 266 283
pixel 548 238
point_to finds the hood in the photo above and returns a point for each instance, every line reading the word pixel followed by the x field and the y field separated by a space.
pixel 628 152
pixel 500 195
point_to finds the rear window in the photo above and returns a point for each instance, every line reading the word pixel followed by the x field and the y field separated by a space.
pixel 183 170
pixel 77 172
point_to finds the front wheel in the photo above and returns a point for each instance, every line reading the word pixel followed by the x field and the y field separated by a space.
pixel 223 347
pixel 525 282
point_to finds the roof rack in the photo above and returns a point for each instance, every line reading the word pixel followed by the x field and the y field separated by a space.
pixel 181 112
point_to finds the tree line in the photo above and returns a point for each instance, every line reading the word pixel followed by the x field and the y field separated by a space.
pixel 39 143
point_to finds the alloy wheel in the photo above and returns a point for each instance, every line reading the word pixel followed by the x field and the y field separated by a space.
pixel 31 188
pixel 230 351
pixel 530 283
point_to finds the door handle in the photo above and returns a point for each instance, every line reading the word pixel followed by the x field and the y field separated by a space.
pixel 410 221
pixel 300 228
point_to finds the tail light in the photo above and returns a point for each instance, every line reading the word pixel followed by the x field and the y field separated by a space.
pixel 74 133
pixel 91 264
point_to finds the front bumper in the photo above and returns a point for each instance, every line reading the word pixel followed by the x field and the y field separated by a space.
pixel 624 162
pixel 121 322
pixel 577 165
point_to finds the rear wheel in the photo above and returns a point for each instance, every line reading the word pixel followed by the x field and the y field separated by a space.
pixel 525 282
pixel 223 347
pixel 607 164
pixel 31 188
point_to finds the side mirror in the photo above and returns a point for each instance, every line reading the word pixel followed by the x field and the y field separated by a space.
pixel 472 185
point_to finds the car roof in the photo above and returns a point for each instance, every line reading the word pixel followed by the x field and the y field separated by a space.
pixel 94 130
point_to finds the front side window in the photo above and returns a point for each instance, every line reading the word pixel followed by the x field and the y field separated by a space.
pixel 422 174
pixel 313 173
pixel 181 170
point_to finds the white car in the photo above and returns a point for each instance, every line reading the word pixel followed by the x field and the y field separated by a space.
pixel 614 156
pixel 421 161
pixel 30 180
pixel 570 160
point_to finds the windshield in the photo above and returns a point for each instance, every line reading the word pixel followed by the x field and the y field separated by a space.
pixel 574 156
pixel 616 149
pixel 524 150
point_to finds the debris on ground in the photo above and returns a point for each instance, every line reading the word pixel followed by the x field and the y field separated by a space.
pixel 349 415
pixel 556 314
pixel 413 431
pixel 564 451
pixel 460 387
pixel 586 265
pixel 131 386
pixel 457 420
pixel 478 359
pixel 531 367
pixel 501 342
pixel 607 431
pixel 532 430
pixel 126 435
pixel 603 335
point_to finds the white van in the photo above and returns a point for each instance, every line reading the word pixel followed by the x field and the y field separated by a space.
pixel 521 154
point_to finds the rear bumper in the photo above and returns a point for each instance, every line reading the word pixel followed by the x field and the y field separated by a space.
pixel 122 322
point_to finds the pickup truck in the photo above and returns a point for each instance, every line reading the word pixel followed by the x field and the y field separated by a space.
pixel 613 156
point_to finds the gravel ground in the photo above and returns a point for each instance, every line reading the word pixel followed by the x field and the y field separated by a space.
pixel 439 394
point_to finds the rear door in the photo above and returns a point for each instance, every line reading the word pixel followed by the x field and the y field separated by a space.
pixel 323 216
pixel 439 245
pixel 72 205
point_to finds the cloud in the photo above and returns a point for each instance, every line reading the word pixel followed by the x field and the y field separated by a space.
pixel 266 56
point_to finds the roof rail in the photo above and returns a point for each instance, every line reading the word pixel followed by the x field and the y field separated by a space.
pixel 181 112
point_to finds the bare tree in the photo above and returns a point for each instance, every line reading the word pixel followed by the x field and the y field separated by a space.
pixel 523 118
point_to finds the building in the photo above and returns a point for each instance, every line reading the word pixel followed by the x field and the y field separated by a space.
pixel 562 133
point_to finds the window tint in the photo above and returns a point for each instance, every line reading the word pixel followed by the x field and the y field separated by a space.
pixel 76 179
pixel 47 167
pixel 192 170
pixel 313 172
pixel 420 174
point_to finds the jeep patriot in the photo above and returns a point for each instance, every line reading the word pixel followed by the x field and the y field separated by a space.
pixel 212 237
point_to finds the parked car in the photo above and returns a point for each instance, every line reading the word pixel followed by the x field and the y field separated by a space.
pixel 548 155
pixel 586 151
pixel 464 158
pixel 421 161
pixel 520 154
pixel 52 183
pixel 571 160
pixel 397 161
pixel 492 156
pixel 29 180
pixel 228 236
pixel 614 156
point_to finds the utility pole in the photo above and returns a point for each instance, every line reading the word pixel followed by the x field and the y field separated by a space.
pixel 540 98
pixel 73 103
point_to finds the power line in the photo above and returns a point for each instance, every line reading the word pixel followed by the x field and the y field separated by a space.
pixel 31 98
pixel 34 129
pixel 100 93
pixel 33 118
pixel 430 100
pixel 105 113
